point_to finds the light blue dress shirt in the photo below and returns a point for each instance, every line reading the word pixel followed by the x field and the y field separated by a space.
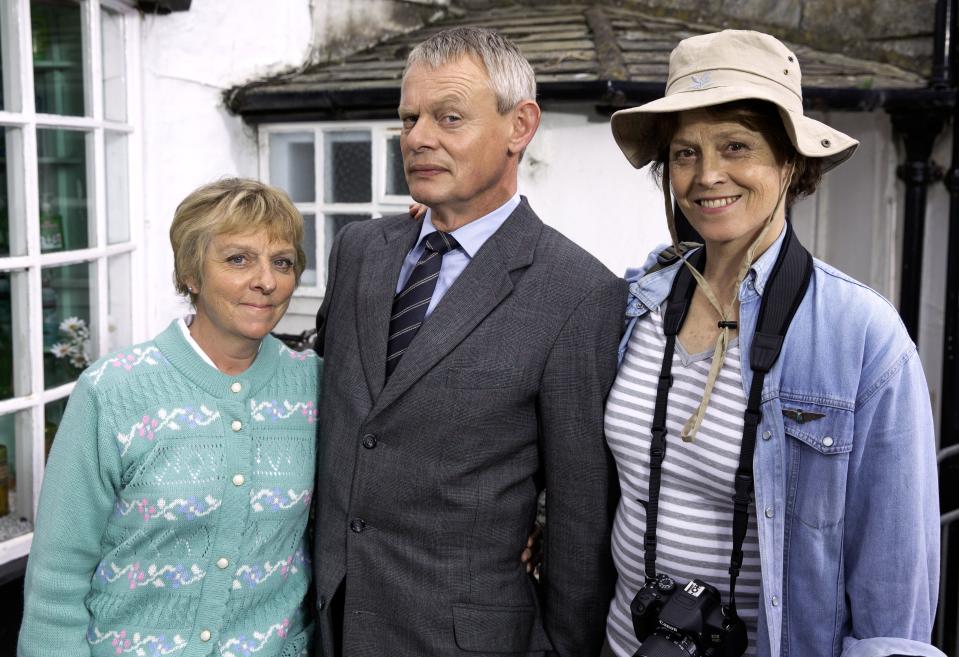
pixel 470 237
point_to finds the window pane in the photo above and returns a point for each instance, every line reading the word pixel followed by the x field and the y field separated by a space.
pixel 292 165
pixel 395 178
pixel 6 336
pixel 119 294
pixel 8 481
pixel 4 198
pixel 114 66
pixel 309 245
pixel 52 414
pixel 118 190
pixel 57 56
pixel 62 157
pixel 348 167
pixel 65 296
pixel 334 222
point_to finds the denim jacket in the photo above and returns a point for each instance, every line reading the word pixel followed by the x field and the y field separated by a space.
pixel 847 503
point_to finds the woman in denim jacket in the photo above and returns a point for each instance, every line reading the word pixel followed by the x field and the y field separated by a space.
pixel 842 547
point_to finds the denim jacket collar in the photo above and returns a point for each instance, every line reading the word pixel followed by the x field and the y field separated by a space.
pixel 649 291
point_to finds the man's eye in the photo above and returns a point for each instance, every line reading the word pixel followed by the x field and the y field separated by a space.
pixel 409 122
pixel 451 118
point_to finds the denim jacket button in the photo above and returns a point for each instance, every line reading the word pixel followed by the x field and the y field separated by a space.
pixel 827 441
pixel 769 512
pixel 767 434
pixel 775 601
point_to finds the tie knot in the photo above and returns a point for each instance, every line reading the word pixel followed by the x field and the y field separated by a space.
pixel 440 242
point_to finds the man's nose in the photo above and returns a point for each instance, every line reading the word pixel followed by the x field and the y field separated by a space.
pixel 421 135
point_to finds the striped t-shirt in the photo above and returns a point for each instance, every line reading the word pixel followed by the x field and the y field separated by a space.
pixel 694 527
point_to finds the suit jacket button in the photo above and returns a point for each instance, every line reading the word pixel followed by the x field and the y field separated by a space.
pixel 369 441
pixel 357 525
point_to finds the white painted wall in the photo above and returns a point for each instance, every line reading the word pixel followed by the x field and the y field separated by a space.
pixel 189 138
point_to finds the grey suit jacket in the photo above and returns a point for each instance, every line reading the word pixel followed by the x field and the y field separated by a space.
pixel 427 485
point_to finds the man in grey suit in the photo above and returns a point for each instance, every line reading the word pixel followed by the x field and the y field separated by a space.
pixel 468 357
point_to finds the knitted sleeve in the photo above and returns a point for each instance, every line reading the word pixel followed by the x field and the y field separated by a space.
pixel 76 500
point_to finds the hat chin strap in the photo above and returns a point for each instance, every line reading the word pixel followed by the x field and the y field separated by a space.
pixel 726 315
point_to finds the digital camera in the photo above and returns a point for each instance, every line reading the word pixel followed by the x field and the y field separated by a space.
pixel 685 622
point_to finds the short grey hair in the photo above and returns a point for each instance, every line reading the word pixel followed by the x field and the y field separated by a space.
pixel 511 77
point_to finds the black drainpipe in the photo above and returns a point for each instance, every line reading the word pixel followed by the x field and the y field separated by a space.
pixel 946 632
pixel 919 130
pixel 949 416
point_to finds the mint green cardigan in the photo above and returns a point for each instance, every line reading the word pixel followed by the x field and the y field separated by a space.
pixel 173 513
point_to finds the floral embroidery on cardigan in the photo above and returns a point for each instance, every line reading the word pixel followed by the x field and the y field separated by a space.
pixel 149 355
pixel 138 644
pixel 189 508
pixel 273 410
pixel 273 499
pixel 243 646
pixel 253 575
pixel 148 426
pixel 172 575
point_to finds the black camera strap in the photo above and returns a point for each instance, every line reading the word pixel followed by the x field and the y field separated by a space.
pixel 784 292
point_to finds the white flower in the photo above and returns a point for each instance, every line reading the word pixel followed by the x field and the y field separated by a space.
pixel 72 325
pixel 60 350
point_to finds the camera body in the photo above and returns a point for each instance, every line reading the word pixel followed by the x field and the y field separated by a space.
pixel 685 622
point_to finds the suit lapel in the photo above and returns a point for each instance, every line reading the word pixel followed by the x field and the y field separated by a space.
pixel 482 286
pixel 375 291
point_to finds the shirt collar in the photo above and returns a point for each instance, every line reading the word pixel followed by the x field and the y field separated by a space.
pixel 650 290
pixel 474 234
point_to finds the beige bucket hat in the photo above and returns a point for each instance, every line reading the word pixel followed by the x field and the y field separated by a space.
pixel 711 69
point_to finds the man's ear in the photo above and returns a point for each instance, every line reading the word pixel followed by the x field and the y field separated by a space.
pixel 525 119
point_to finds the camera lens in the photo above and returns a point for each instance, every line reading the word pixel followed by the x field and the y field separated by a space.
pixel 657 645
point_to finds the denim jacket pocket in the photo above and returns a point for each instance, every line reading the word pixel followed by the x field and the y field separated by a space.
pixel 820 439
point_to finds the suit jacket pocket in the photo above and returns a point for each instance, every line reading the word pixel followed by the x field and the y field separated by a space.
pixel 481 628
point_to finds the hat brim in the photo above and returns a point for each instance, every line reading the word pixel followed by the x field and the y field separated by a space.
pixel 634 128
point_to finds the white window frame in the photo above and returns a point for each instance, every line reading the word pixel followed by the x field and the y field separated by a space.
pixel 25 270
pixel 380 204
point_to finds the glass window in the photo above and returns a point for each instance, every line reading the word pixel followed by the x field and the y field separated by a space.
pixel 57 56
pixel 395 175
pixel 119 295
pixel 4 198
pixel 358 175
pixel 291 157
pixel 54 317
pixel 66 322
pixel 62 162
pixel 309 245
pixel 348 167
pixel 8 473
pixel 52 414
pixel 6 337
pixel 114 66
pixel 118 188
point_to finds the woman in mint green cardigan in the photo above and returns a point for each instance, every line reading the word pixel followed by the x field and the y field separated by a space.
pixel 175 501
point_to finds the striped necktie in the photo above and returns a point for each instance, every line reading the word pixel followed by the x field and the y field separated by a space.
pixel 409 306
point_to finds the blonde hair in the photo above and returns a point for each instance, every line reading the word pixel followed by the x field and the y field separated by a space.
pixel 230 205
